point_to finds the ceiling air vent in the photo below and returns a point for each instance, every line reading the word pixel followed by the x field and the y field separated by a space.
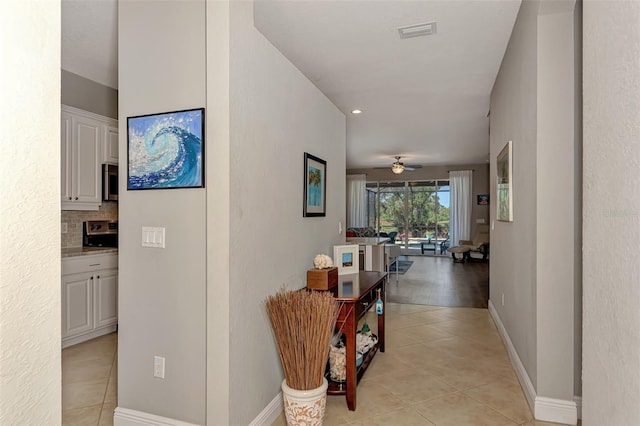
pixel 417 30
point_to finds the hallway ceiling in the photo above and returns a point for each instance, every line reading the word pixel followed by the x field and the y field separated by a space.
pixel 424 98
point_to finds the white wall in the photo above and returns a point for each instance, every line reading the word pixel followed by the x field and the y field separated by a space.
pixel 162 292
pixel 30 373
pixel 277 114
pixel 235 242
pixel 611 259
pixel 534 257
pixel 88 95
pixel 554 204
pixel 513 244
pixel 218 213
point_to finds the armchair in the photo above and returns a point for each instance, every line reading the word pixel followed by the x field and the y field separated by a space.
pixel 480 242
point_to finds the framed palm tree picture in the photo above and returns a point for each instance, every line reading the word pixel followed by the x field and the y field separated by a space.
pixel 315 186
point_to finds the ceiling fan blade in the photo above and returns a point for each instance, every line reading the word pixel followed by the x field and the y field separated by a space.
pixel 409 169
pixel 413 166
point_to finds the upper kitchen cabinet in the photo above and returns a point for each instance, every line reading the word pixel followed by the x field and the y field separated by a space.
pixel 87 140
pixel 110 146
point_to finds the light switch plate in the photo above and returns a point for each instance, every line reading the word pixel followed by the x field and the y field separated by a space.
pixel 153 236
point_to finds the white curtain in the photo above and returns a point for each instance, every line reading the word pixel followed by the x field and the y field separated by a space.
pixel 460 208
pixel 356 201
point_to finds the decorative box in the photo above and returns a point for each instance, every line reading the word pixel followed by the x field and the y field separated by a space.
pixel 322 279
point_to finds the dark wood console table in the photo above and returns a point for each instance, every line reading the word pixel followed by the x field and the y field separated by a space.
pixel 357 294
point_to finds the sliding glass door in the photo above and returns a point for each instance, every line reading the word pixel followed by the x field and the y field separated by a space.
pixel 428 215
pixel 387 205
pixel 414 213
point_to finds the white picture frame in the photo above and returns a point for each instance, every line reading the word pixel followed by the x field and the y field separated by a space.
pixel 346 258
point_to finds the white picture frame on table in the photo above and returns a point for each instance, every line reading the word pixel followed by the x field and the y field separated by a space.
pixel 346 258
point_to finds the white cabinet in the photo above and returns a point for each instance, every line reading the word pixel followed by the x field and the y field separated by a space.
pixel 105 303
pixel 76 301
pixel 86 140
pixel 89 297
pixel 110 144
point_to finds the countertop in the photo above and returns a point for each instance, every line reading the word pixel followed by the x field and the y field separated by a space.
pixel 85 251
pixel 368 241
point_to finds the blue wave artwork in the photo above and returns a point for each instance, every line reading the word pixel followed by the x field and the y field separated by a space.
pixel 165 150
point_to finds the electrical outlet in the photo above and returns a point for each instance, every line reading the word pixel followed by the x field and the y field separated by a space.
pixel 158 367
pixel 502 299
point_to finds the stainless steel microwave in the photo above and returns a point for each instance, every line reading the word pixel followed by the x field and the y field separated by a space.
pixel 110 182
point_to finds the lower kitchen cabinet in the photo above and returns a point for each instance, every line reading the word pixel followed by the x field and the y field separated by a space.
pixel 89 297
pixel 105 303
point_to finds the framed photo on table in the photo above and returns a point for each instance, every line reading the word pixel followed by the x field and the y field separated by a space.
pixel 315 186
pixel 346 258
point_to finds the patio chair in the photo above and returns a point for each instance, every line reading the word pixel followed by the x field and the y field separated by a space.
pixel 445 245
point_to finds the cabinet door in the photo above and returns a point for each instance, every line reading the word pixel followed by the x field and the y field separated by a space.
pixel 105 298
pixel 66 149
pixel 86 160
pixel 77 315
pixel 110 148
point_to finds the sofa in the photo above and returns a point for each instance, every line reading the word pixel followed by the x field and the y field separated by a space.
pixel 367 231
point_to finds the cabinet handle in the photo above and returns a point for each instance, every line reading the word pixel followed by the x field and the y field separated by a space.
pixel 76 198
pixel 98 277
pixel 91 278
pixel 94 264
pixel 69 198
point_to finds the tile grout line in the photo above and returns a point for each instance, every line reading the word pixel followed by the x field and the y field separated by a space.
pixel 113 361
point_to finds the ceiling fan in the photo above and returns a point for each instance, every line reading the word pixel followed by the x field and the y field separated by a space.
pixel 398 166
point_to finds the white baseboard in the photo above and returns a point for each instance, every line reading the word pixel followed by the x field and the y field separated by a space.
pixel 546 409
pixel 270 412
pixel 128 417
pixel 578 401
pixel 521 372
pixel 70 341
pixel 556 410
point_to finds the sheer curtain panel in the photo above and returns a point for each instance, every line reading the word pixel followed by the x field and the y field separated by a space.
pixel 460 212
pixel 356 201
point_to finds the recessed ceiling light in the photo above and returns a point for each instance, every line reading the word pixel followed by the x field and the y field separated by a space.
pixel 418 30
pixel 356 111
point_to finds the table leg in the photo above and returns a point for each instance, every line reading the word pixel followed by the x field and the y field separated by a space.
pixel 352 381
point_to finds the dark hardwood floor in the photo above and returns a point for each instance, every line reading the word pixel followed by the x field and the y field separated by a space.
pixel 437 281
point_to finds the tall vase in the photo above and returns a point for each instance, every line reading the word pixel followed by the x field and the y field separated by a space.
pixel 305 407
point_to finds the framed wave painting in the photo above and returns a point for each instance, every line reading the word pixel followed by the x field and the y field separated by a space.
pixel 166 150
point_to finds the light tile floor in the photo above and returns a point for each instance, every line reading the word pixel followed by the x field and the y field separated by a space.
pixel 90 382
pixel 442 366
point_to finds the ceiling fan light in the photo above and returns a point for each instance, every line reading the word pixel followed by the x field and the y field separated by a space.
pixel 397 168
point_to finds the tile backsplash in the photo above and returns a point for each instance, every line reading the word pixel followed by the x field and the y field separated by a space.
pixel 74 219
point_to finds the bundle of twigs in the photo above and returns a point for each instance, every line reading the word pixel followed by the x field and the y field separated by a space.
pixel 303 323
